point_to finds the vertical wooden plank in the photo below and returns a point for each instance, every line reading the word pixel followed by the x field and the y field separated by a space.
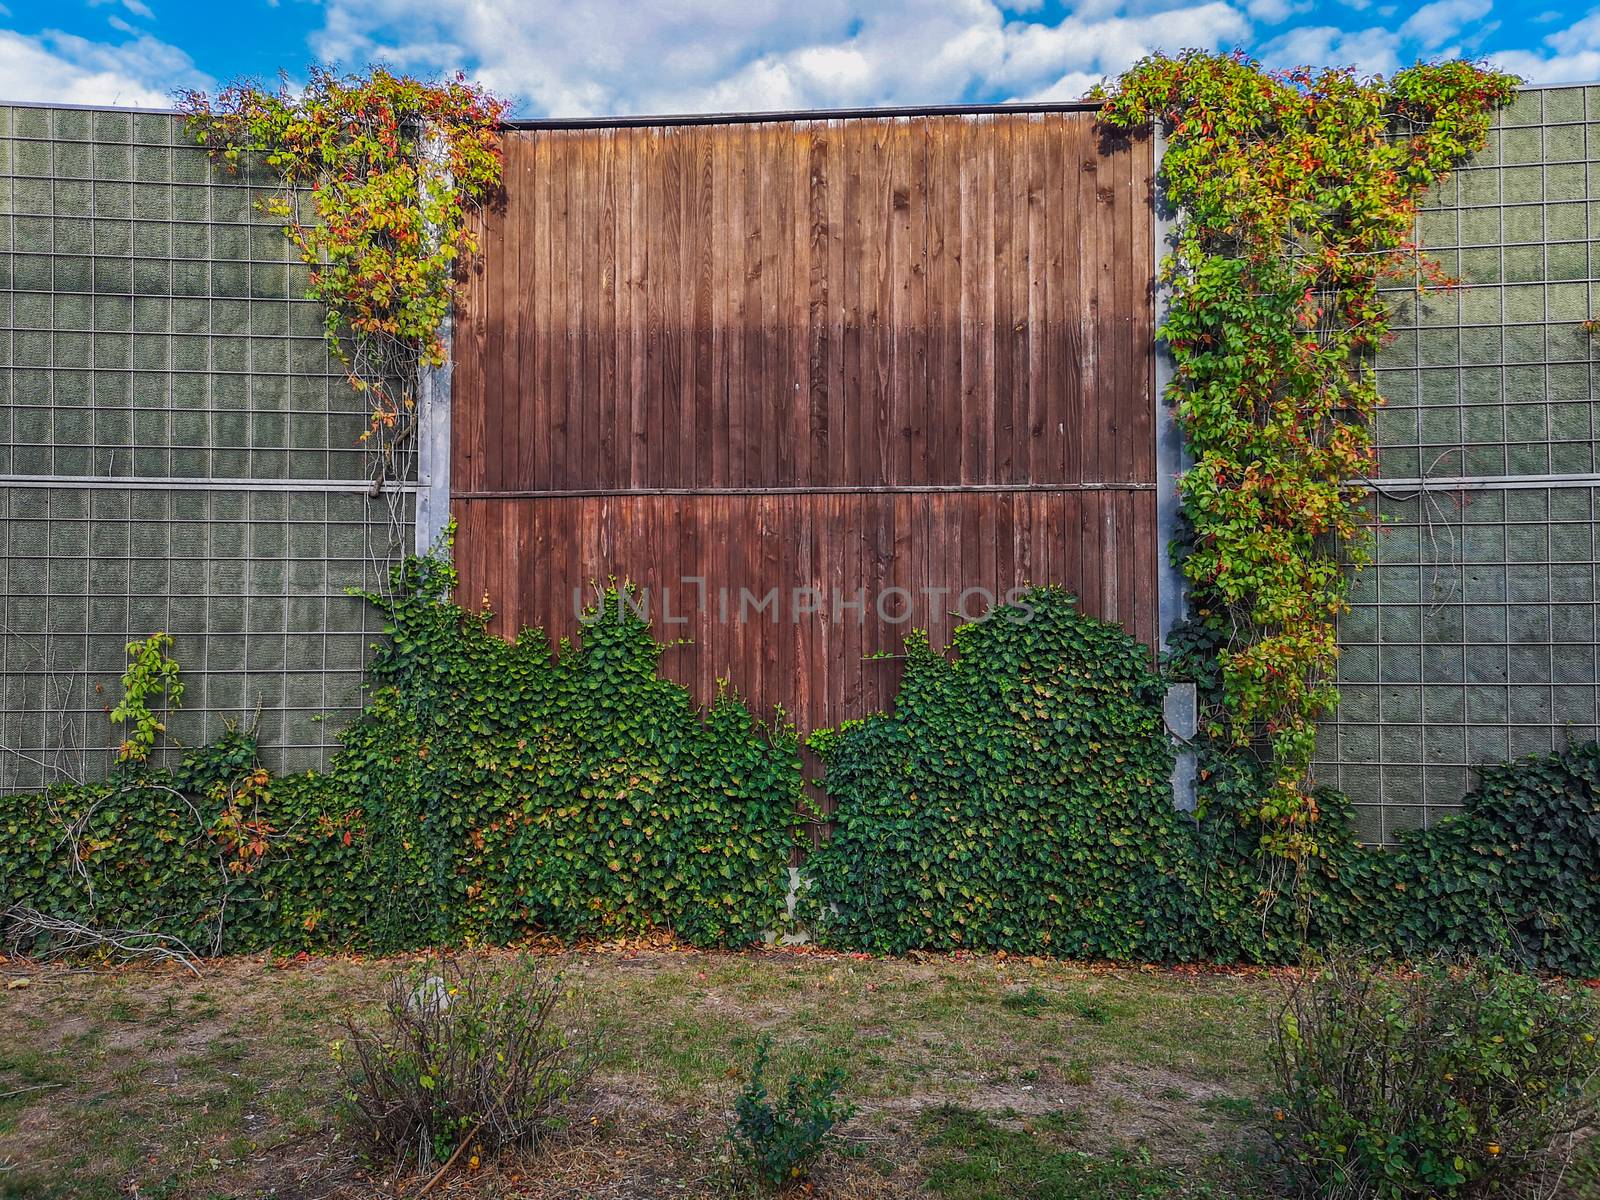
pixel 611 253
pixel 818 298
pixel 588 311
pixel 1100 191
pixel 1047 552
pixel 1143 434
pixel 778 398
pixel 983 253
pixel 835 546
pixel 1125 279
pixel 806 713
pixel 495 319
pixel 1019 349
pixel 878 282
pixel 943 309
pixel 834 200
pixel 543 177
pixel 1143 428
pixel 903 506
pixel 657 272
pixel 674 307
pixel 856 420
pixel 716 243
pixel 637 308
pixel 880 634
pixel 972 411
pixel 979 571
pixel 565 259
pixel 1091 561
pixel 751 169
pixel 510 315
pixel 700 242
pixel 1110 559
pixel 769 631
pixel 1128 564
pixel 1004 569
pixel 1041 186
pixel 1002 319
pixel 1022 545
pixel 917 310
pixel 852 585
pixel 466 409
pixel 897 435
pixel 1075 252
pixel 795 313
pixel 1068 536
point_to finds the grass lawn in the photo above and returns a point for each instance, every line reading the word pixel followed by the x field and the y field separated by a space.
pixel 975 1078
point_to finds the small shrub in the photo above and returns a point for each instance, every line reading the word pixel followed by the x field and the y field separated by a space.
pixel 1448 1081
pixel 779 1142
pixel 465 1053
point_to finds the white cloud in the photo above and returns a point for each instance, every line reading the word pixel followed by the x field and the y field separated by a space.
pixel 1077 46
pixel 1372 51
pixel 1434 24
pixel 137 7
pixel 59 67
pixel 1570 55
pixel 614 56
pixel 1276 12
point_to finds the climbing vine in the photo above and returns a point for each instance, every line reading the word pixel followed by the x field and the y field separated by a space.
pixel 378 176
pixel 151 678
pixel 1015 797
pixel 1298 193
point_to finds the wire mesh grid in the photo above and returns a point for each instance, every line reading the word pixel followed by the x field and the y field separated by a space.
pixel 178 452
pixel 1472 637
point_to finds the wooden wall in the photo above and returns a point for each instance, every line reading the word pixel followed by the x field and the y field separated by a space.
pixel 823 357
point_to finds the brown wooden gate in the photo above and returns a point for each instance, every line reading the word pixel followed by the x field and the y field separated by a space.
pixel 809 383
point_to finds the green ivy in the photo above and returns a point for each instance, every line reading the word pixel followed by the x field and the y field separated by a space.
pixel 1298 195
pixel 1018 798
pixel 488 790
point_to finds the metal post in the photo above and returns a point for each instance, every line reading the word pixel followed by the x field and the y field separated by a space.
pixel 433 451
pixel 1181 709
pixel 433 421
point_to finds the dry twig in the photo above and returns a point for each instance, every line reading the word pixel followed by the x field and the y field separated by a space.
pixel 65 938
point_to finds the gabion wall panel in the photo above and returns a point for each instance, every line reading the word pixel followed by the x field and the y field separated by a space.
pixel 178 451
pixel 1472 638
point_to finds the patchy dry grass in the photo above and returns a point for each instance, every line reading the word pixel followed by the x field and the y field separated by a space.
pixel 975 1077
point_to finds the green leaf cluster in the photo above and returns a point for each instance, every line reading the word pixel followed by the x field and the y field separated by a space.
pixel 380 175
pixel 1017 797
pixel 508 789
pixel 777 1140
pixel 1297 195
pixel 1444 1082
pixel 151 677
pixel 489 790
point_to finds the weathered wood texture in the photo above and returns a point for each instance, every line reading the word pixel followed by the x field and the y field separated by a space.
pixel 824 357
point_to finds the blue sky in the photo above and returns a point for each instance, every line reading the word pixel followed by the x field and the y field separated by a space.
pixel 572 57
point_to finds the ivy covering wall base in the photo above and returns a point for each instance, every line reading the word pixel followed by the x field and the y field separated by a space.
pixel 1016 798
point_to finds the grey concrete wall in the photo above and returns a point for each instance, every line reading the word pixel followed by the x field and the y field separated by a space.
pixel 1474 635
pixel 177 452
